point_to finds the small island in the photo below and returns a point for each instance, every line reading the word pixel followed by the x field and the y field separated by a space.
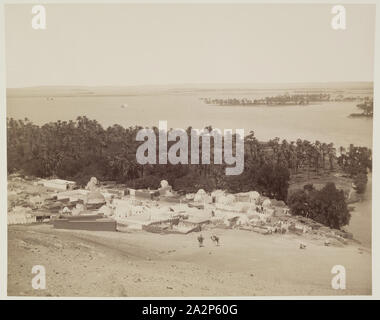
pixel 366 107
pixel 285 99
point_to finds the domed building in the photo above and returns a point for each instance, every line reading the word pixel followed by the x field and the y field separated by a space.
pixel 94 199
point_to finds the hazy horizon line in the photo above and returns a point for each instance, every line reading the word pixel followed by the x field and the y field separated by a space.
pixel 196 84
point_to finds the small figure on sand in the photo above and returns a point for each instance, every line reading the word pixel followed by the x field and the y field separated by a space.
pixel 215 239
pixel 302 246
pixel 200 240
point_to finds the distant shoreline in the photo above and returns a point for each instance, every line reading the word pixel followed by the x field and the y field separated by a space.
pixel 92 91
pixel 360 115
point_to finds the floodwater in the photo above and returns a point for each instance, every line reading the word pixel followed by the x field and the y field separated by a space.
pixel 326 122
pixel 361 218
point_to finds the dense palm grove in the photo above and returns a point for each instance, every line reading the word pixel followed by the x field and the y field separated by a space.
pixel 82 148
pixel 326 206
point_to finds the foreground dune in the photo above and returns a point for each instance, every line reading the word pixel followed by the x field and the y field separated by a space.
pixel 84 263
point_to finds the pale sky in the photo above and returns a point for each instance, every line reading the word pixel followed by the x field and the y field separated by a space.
pixel 130 44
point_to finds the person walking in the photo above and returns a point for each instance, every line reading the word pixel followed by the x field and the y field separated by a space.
pixel 200 240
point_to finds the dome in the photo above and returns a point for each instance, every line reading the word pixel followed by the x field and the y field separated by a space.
pixel 95 197
pixel 164 184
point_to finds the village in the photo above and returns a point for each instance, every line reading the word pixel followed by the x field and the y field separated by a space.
pixel 106 206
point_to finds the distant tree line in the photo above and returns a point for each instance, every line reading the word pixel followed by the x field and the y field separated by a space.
pixel 80 149
pixel 285 99
pixel 366 107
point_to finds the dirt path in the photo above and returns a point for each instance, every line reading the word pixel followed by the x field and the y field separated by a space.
pixel 84 263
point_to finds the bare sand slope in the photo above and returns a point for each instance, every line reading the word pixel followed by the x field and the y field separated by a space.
pixel 84 263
